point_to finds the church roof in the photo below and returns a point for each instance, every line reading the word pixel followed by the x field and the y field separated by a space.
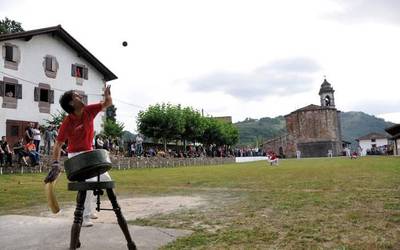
pixel 326 87
pixel 311 107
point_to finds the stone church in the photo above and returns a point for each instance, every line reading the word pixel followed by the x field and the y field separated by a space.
pixel 314 130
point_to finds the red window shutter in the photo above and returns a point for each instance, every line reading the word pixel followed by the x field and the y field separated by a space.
pixel 36 94
pixel 85 73
pixel 73 70
pixel 1 88
pixel 18 91
pixel 51 96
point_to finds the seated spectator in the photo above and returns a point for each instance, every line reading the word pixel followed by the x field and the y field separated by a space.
pixel 2 156
pixel 133 149
pixel 99 143
pixel 32 153
pixel 5 153
pixel 20 152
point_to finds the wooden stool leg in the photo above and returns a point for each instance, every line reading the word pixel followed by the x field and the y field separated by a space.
pixel 78 217
pixel 121 220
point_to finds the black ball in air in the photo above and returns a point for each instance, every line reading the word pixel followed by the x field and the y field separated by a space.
pixel 124 43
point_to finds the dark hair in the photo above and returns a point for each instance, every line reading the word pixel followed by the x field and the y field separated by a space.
pixel 65 100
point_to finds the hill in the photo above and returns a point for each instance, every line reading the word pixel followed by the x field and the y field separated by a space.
pixel 357 124
pixel 254 131
pixel 354 125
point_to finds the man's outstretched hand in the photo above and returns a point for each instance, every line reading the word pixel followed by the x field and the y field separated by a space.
pixel 107 102
pixel 54 172
pixel 107 92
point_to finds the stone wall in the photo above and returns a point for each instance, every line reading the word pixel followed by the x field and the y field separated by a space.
pixel 314 125
pixel 313 130
pixel 122 163
pixel 285 142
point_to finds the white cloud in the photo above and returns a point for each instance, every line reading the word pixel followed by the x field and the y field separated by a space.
pixel 369 11
pixel 281 77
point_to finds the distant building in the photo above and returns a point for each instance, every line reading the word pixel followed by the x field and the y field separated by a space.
pixel 227 119
pixel 372 142
pixel 314 130
pixel 36 68
pixel 394 131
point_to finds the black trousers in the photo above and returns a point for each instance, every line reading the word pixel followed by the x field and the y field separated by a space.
pixel 5 158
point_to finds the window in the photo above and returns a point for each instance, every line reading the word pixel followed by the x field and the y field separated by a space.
pixel 14 130
pixel 9 53
pixel 44 95
pixel 49 64
pixel 79 71
pixel 11 56
pixel 10 90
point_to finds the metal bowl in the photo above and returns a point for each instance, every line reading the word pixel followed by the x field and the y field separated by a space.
pixel 87 165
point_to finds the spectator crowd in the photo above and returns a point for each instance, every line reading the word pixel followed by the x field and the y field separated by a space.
pixel 26 151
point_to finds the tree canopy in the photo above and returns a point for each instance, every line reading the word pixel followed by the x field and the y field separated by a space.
pixel 112 128
pixel 10 26
pixel 169 122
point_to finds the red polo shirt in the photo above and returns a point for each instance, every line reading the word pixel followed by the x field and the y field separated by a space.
pixel 79 131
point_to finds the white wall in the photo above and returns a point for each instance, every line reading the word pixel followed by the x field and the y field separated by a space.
pixel 31 68
pixel 367 144
pixel 250 158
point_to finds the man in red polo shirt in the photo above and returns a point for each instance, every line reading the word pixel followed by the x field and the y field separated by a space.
pixel 77 128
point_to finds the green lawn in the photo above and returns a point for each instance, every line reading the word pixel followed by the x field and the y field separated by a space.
pixel 302 204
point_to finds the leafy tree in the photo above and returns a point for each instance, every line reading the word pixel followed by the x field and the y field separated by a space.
pixel 194 125
pixel 112 128
pixel 162 121
pixel 56 119
pixel 219 133
pixel 111 113
pixel 230 134
pixel 10 26
pixel 212 132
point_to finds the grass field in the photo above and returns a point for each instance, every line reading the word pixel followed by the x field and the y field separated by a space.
pixel 302 204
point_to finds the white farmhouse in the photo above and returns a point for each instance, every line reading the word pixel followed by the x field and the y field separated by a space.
pixel 36 68
pixel 371 142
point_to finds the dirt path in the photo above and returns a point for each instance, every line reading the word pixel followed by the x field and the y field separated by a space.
pixel 133 208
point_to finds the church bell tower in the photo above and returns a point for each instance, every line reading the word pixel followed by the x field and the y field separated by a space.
pixel 326 94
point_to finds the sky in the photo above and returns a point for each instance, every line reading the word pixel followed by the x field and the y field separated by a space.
pixel 239 58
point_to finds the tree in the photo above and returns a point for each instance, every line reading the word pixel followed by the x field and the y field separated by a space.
pixel 162 122
pixel 219 133
pixel 230 134
pixel 10 26
pixel 111 113
pixel 194 125
pixel 212 132
pixel 56 119
pixel 112 128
